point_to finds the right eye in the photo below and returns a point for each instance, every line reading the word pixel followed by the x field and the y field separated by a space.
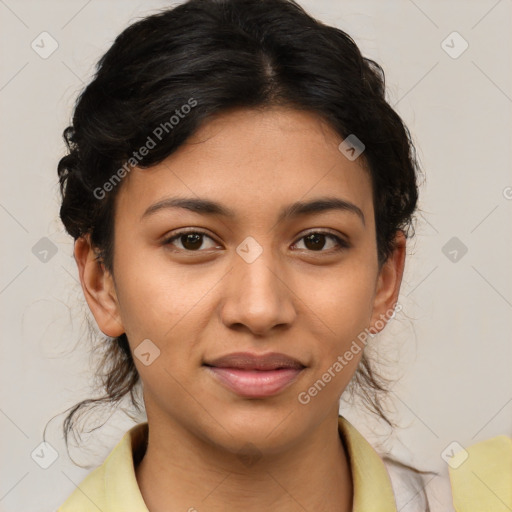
pixel 190 240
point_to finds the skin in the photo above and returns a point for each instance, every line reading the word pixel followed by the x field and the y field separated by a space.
pixel 205 303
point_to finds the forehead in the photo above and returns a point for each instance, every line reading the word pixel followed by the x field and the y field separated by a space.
pixel 253 160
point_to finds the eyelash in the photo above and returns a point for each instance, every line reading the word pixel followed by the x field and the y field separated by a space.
pixel 342 244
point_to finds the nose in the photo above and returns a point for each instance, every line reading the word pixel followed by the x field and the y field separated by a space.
pixel 256 296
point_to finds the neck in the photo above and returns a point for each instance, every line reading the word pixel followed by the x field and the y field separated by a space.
pixel 180 472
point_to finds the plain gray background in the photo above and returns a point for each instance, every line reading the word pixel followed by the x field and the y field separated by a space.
pixel 451 344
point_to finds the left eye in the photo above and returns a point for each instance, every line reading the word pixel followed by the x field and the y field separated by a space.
pixel 315 241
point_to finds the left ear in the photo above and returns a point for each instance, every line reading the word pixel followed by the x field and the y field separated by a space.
pixel 388 284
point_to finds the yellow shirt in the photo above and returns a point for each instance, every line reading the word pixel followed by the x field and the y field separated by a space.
pixel 112 487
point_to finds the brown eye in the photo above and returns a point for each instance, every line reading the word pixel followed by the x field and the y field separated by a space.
pixel 191 241
pixel 317 241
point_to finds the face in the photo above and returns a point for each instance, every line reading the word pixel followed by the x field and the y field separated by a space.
pixel 247 274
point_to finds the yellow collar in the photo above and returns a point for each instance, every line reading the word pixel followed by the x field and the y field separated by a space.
pixel 372 485
pixel 113 486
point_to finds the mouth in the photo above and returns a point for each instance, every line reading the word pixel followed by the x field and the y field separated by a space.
pixel 255 376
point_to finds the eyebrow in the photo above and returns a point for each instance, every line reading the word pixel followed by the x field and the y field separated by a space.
pixel 300 208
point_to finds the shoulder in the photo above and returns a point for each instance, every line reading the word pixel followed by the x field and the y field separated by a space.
pixel 89 496
pixel 474 479
pixel 113 485
pixel 481 476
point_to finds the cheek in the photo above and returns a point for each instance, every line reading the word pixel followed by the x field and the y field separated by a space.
pixel 171 307
pixel 343 301
pixel 342 308
pixel 162 304
pixel 154 296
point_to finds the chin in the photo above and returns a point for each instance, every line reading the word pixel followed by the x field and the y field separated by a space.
pixel 256 422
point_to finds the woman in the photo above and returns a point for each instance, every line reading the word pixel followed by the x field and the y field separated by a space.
pixel 240 194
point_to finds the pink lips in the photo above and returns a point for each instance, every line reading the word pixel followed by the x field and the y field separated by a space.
pixel 255 376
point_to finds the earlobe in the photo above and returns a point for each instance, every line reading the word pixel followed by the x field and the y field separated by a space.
pixel 98 287
pixel 388 284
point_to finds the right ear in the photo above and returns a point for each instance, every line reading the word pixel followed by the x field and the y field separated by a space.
pixel 98 287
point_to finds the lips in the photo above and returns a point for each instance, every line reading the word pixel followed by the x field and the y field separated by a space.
pixel 253 375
